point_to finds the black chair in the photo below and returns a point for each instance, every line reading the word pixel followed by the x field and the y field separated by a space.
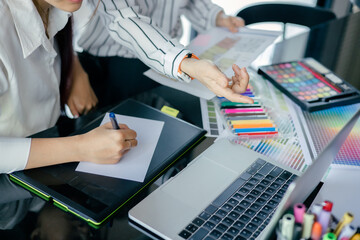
pixel 286 13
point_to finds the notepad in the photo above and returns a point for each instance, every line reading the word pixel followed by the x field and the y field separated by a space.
pixel 135 163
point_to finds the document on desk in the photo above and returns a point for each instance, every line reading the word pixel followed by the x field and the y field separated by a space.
pixel 135 163
pixel 224 49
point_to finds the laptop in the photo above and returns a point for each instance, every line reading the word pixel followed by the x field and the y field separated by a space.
pixel 95 198
pixel 230 192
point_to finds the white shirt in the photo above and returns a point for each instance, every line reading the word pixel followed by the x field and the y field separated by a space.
pixel 146 29
pixel 29 78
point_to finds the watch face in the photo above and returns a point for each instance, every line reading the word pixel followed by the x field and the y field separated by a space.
pixel 184 77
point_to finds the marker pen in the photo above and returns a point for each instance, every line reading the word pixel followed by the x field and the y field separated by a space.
pixel 316 231
pixel 287 226
pixel 329 236
pixel 346 219
pixel 325 215
pixel 307 225
pixel 355 237
pixel 316 209
pixel 348 231
pixel 299 211
pixel 113 121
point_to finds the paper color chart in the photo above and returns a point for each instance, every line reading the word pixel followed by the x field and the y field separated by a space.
pixel 210 119
pixel 324 125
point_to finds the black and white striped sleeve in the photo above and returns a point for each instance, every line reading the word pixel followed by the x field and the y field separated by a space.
pixel 155 48
pixel 202 14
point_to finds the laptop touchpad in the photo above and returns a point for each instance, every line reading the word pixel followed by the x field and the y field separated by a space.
pixel 201 183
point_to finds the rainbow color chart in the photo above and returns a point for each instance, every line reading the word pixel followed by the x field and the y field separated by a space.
pixel 324 125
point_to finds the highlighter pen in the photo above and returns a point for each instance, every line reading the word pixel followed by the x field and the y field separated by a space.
pixel 113 121
pixel 329 236
pixel 325 215
pixel 346 219
pixel 355 237
pixel 249 117
pixel 348 231
pixel 316 210
pixel 241 110
pixel 299 211
pixel 316 231
pixel 307 225
pixel 287 226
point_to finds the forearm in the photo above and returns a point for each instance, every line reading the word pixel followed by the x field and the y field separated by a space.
pixel 50 151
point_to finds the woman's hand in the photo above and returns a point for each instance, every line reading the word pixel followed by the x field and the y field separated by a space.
pixel 104 145
pixel 82 97
pixel 210 75
pixel 229 22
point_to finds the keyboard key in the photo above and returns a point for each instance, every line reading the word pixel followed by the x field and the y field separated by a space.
pixel 221 199
pixel 204 215
pixel 211 209
pixel 198 221
pixel 276 171
pixel 200 234
pixel 269 177
pixel 227 207
pixel 260 187
pixel 257 221
pixel 255 207
pixel 227 236
pixel 260 161
pixel 249 186
pixel 250 198
pixel 272 203
pixel 277 197
pixel 251 227
pixel 243 191
pixel 245 233
pixel 281 192
pixel 209 238
pixel 238 196
pixel 234 215
pixel 184 234
pixel 239 209
pixel 267 208
pixel 260 201
pixel 233 231
pixel 266 169
pixel 221 213
pixel 228 221
pixel 250 212
pixel 233 202
pixel 240 238
pixel 244 204
pixel 215 233
pixel 258 176
pixel 215 219
pixel 209 225
pixel 262 214
pixel 221 228
pixel 239 225
pixel 246 176
pixel 279 181
pixel 265 196
pixel 251 171
pixel 244 218
pixel 275 185
pixel 253 180
pixel 265 182
pixel 270 191
pixel 285 175
pixel 255 192
pixel 191 228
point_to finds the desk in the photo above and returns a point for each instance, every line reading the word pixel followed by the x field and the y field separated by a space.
pixel 336 45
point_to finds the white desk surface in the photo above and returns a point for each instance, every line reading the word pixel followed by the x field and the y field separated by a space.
pixel 342 187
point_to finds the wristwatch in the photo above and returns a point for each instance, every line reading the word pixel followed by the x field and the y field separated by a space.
pixel 183 76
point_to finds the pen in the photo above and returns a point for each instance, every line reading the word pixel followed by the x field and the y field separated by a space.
pixel 287 226
pixel 113 121
pixel 316 209
pixel 299 211
pixel 307 224
pixel 355 237
pixel 316 231
pixel 329 236
pixel 324 217
pixel 346 219
pixel 347 231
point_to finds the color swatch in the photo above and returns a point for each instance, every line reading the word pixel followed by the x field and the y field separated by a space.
pixel 245 119
pixel 309 88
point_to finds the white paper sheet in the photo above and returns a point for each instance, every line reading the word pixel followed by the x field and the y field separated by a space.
pixel 224 49
pixel 135 163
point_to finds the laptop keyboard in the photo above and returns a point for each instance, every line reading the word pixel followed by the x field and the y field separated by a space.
pixel 244 209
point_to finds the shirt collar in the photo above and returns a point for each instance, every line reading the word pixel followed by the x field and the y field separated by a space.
pixel 29 25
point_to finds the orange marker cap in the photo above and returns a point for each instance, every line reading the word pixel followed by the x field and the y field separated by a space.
pixel 316 231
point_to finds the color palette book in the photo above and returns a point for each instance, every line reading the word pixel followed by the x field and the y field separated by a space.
pixel 310 84
pixel 245 119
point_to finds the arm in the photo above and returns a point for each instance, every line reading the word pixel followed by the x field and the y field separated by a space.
pixel 82 97
pixel 102 145
pixel 203 15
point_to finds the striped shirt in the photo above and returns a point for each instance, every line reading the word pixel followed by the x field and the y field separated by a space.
pixel 146 29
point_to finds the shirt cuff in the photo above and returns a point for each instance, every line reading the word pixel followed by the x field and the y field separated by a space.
pixel 15 154
pixel 173 59
pixel 212 15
